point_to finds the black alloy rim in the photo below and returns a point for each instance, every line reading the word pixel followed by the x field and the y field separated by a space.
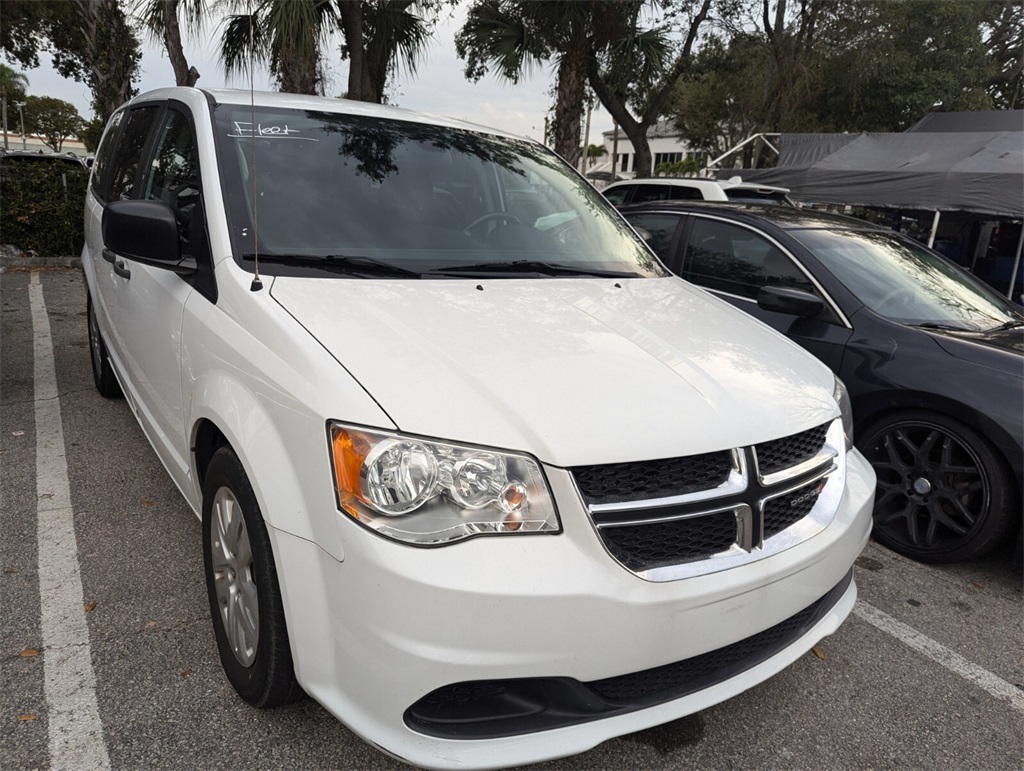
pixel 932 492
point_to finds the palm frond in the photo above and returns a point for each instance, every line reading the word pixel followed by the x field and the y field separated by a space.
pixel 236 44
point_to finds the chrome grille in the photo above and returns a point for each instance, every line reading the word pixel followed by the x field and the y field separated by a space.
pixel 691 515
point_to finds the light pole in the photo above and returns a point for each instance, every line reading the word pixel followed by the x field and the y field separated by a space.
pixel 21 112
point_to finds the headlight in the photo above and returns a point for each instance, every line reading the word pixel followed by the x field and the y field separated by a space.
pixel 432 493
pixel 842 397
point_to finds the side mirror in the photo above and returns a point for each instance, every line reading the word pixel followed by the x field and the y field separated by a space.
pixel 794 302
pixel 146 232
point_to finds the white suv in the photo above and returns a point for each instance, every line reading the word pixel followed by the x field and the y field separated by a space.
pixel 474 470
pixel 689 189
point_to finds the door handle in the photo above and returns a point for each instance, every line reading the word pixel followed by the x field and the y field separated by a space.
pixel 108 255
pixel 122 270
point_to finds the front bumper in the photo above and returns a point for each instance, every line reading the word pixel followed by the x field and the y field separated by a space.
pixel 375 634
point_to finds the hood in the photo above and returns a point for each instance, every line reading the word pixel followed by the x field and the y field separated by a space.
pixel 573 371
pixel 999 348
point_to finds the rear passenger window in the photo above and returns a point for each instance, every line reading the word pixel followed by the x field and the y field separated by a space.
pixel 683 193
pixel 651 193
pixel 618 195
pixel 733 259
pixel 125 162
pixel 99 166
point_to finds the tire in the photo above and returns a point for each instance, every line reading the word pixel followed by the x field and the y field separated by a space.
pixel 241 581
pixel 944 493
pixel 102 373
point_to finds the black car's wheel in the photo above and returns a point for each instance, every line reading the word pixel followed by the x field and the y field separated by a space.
pixel 102 373
pixel 944 494
pixel 241 580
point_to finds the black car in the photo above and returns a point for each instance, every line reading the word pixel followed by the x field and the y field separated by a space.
pixel 933 359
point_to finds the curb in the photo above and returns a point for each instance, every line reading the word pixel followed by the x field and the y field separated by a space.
pixel 30 262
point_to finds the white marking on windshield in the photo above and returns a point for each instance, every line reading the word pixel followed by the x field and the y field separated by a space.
pixel 244 130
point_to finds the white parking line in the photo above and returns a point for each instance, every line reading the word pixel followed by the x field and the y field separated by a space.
pixel 75 730
pixel 940 654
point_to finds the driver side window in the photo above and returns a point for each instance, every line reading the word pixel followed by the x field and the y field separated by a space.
pixel 173 176
pixel 736 260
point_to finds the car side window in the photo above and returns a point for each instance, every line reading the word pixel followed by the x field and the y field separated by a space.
pixel 683 193
pixel 651 193
pixel 125 161
pixel 173 175
pixel 736 260
pixel 99 166
pixel 618 195
pixel 662 228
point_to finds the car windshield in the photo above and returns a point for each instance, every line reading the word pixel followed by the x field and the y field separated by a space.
pixel 328 194
pixel 905 282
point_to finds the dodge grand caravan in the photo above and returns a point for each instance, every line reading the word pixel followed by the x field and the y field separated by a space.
pixel 474 470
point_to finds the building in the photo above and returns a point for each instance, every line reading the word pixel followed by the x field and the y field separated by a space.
pixel 666 147
pixel 34 143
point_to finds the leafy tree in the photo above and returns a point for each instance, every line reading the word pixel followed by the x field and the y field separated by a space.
pixel 634 66
pixel 53 119
pixel 896 61
pixel 841 65
pixel 1003 35
pixel 91 42
pixel 162 19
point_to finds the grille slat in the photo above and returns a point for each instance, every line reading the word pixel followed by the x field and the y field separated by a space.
pixel 646 480
pixel 643 547
pixel 781 454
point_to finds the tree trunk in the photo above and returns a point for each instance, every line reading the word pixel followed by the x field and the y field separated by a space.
pixel 352 25
pixel 183 74
pixel 572 79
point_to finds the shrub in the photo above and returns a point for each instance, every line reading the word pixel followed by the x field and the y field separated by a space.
pixel 43 205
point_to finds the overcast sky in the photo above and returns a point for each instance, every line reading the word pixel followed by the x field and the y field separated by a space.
pixel 440 87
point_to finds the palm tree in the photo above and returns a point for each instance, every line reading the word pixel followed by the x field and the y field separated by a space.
pixel 288 35
pixel 511 37
pixel 12 89
pixel 392 34
pixel 292 36
pixel 161 18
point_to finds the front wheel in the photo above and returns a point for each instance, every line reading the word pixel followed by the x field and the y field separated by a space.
pixel 241 580
pixel 944 494
pixel 102 373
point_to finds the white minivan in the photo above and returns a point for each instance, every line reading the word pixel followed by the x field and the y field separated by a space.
pixel 474 470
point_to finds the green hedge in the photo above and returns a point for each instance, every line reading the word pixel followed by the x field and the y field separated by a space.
pixel 41 205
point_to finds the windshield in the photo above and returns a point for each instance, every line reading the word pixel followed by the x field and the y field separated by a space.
pixel 342 195
pixel 905 282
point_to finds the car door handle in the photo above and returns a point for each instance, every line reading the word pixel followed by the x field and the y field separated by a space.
pixel 122 270
pixel 108 255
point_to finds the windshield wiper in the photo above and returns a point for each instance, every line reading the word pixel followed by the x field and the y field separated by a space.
pixel 1011 324
pixel 484 269
pixel 338 263
pixel 940 325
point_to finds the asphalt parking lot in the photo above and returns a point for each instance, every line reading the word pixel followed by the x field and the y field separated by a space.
pixel 927 673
